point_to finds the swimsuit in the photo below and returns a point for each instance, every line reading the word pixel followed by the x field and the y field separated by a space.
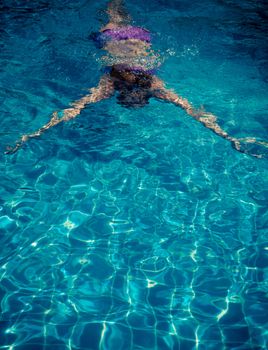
pixel 121 33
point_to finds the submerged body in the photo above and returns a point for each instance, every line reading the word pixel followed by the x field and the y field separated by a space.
pixel 130 62
pixel 130 67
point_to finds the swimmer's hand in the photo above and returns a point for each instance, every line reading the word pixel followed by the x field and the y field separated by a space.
pixel 250 146
pixel 53 121
pixel 68 114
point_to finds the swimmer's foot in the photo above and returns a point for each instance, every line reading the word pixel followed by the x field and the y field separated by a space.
pixel 117 14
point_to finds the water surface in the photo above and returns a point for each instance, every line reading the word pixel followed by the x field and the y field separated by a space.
pixel 133 229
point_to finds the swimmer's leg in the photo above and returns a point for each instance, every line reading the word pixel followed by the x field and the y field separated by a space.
pixel 118 15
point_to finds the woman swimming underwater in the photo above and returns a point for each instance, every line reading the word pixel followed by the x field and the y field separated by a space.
pixel 130 66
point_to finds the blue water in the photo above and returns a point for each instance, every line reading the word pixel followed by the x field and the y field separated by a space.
pixel 133 228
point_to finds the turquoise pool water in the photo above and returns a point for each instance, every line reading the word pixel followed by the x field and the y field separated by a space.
pixel 133 229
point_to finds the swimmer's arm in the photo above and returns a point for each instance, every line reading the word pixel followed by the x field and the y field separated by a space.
pixel 104 90
pixel 161 92
pixel 206 118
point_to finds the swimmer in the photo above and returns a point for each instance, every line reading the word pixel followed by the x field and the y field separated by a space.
pixel 130 67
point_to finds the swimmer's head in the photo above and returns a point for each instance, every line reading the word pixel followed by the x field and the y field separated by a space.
pixel 133 87
pixel 133 98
